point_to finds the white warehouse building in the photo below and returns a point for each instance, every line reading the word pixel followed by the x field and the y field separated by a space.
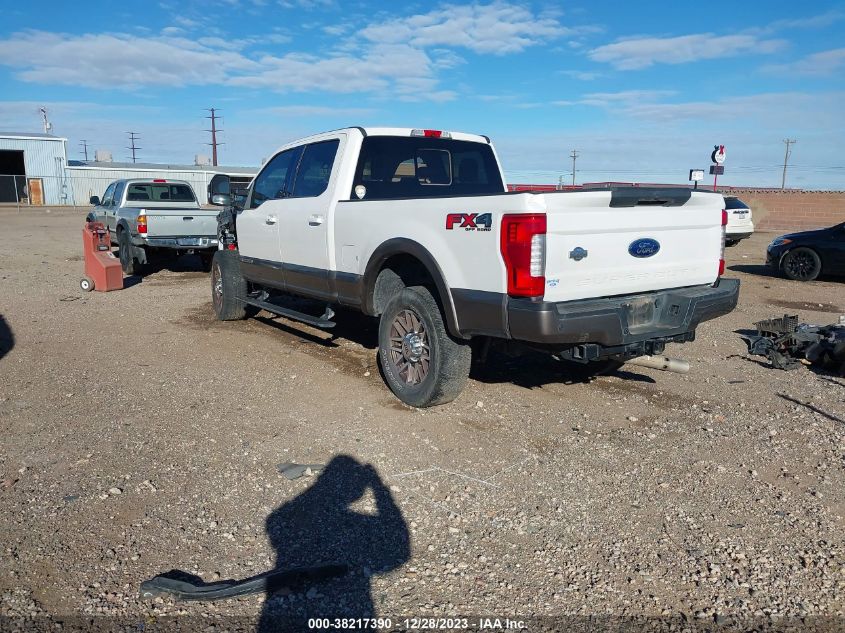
pixel 34 170
pixel 91 178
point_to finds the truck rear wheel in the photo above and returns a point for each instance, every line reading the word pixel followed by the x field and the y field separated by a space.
pixel 126 253
pixel 422 364
pixel 228 287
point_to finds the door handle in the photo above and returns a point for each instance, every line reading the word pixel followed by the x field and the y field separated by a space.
pixel 316 220
pixel 270 219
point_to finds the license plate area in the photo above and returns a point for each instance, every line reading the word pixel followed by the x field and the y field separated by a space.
pixel 640 312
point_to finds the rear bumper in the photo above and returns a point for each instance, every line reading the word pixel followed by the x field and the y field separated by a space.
pixel 605 322
pixel 192 241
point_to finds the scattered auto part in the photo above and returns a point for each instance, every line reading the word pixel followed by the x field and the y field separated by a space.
pixel 788 344
pixel 295 471
pixel 185 586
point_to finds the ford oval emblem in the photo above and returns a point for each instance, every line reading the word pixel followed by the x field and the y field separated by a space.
pixel 644 247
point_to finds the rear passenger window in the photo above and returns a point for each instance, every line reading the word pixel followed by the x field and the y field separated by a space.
pixel 416 167
pixel 118 192
pixel 315 169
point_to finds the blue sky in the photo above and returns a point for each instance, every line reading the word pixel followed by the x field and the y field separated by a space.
pixel 643 90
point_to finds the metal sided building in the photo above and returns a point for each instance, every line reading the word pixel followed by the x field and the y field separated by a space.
pixel 32 169
pixel 91 178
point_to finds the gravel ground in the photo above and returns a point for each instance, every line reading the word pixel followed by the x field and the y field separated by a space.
pixel 141 435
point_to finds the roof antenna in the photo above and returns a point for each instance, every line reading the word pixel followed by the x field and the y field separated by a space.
pixel 48 127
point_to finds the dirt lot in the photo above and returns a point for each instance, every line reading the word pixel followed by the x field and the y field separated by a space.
pixel 141 435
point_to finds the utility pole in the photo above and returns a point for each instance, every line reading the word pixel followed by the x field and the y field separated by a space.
pixel 788 142
pixel 214 132
pixel 84 144
pixel 573 155
pixel 132 138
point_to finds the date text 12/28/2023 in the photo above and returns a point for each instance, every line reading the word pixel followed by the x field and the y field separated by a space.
pixel 416 624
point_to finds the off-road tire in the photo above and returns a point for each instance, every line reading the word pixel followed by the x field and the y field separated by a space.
pixel 449 359
pixel 801 264
pixel 125 251
pixel 228 287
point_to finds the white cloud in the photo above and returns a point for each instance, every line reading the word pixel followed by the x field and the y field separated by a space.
pixel 820 64
pixel 580 75
pixel 497 28
pixel 637 53
pixel 624 97
pixel 813 22
pixel 617 99
pixel 117 61
pixel 786 110
pixel 398 68
pixel 401 57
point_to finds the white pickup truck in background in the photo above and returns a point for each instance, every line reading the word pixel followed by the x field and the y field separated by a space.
pixel 155 217
pixel 416 227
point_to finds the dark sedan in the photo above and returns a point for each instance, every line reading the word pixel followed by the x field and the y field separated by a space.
pixel 804 256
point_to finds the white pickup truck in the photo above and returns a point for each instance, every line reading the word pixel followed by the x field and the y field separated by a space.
pixel 417 227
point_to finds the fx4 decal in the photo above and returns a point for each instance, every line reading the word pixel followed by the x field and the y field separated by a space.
pixel 469 221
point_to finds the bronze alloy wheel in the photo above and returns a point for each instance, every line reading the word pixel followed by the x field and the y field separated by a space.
pixel 217 287
pixel 409 347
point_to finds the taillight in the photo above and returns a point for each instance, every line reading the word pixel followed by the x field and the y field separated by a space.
pixel 523 245
pixel 142 224
pixel 159 180
pixel 724 237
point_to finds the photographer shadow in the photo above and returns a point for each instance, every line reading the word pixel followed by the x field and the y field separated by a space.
pixel 320 527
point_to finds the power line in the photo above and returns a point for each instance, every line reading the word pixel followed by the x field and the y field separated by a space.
pixel 214 132
pixel 573 155
pixel 84 144
pixel 788 142
pixel 132 138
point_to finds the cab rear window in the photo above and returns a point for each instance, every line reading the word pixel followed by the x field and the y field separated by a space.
pixel 418 167
pixel 735 203
pixel 159 192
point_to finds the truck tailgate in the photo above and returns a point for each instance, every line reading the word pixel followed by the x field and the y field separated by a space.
pixel 181 222
pixel 589 244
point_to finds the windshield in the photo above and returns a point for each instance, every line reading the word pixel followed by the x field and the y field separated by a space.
pixel 159 192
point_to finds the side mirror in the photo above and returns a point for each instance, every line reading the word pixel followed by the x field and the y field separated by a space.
pixel 221 200
pixel 220 183
pixel 95 200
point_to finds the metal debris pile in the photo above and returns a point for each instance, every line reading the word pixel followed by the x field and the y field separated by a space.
pixel 789 344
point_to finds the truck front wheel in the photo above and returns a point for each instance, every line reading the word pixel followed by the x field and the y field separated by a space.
pixel 422 364
pixel 228 287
